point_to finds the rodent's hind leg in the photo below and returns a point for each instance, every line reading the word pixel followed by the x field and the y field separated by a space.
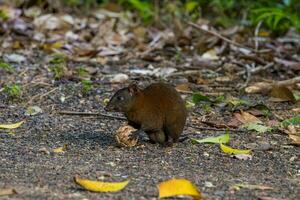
pixel 157 136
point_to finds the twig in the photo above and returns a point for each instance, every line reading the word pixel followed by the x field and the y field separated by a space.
pixel 288 82
pixel 66 112
pixel 256 34
pixel 250 71
pixel 267 87
pixel 214 129
pixel 187 72
pixel 218 35
pixel 41 95
pixel 255 58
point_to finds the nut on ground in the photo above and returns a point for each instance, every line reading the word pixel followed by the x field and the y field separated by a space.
pixel 122 136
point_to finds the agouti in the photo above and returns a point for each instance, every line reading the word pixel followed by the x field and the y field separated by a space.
pixel 158 110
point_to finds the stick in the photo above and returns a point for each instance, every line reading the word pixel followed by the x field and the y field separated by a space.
pixel 214 129
pixel 217 35
pixel 66 112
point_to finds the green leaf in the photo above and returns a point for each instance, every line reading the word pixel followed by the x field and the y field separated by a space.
pixel 238 102
pixel 297 97
pixel 215 140
pixel 191 5
pixel 7 67
pixel 198 98
pixel 291 121
pixel 257 127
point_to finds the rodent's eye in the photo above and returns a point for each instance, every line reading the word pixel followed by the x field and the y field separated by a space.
pixel 120 98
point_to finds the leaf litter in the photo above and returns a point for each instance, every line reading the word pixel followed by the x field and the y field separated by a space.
pixel 118 51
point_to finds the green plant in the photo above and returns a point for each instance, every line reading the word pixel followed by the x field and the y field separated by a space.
pixel 85 3
pixel 58 66
pixel 13 90
pixel 144 8
pixel 3 15
pixel 86 86
pixel 81 71
pixel 6 66
pixel 277 19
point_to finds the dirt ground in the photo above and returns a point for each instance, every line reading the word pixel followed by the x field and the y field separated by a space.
pixel 30 167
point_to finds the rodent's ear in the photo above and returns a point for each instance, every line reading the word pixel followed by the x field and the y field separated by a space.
pixel 133 89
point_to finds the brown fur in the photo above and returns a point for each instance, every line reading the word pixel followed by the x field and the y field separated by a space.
pixel 159 111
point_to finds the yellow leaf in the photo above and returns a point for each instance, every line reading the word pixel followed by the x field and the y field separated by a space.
pixel 98 186
pixel 11 126
pixel 175 187
pixel 60 149
pixel 51 46
pixel 230 150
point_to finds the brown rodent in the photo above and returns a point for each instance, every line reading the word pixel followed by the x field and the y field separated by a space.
pixel 158 110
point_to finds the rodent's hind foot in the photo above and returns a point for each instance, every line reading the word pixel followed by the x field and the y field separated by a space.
pixel 169 142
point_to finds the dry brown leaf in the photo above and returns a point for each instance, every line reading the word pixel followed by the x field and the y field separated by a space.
pixel 223 79
pixel 246 118
pixel 261 87
pixel 297 110
pixel 183 87
pixel 7 191
pixel 281 93
pixel 295 138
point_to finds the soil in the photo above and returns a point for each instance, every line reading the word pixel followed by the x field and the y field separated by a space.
pixel 29 165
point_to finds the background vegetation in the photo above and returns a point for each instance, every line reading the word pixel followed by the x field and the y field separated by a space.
pixel 278 15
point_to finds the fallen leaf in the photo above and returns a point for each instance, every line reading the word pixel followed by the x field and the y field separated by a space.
pixel 99 186
pixel 257 127
pixel 289 64
pixel 164 71
pixel 11 126
pixel 295 138
pixel 52 46
pixel 175 187
pixel 246 118
pixel 211 55
pixel 33 110
pixel 243 156
pixel 60 149
pixel 198 98
pixel 261 87
pixel 51 22
pixel 259 110
pixel 183 87
pixel 237 102
pixel 230 150
pixel 216 140
pixel 291 121
pixel 281 93
pixel 15 58
pixel 252 187
pixel 7 191
pixel 119 78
